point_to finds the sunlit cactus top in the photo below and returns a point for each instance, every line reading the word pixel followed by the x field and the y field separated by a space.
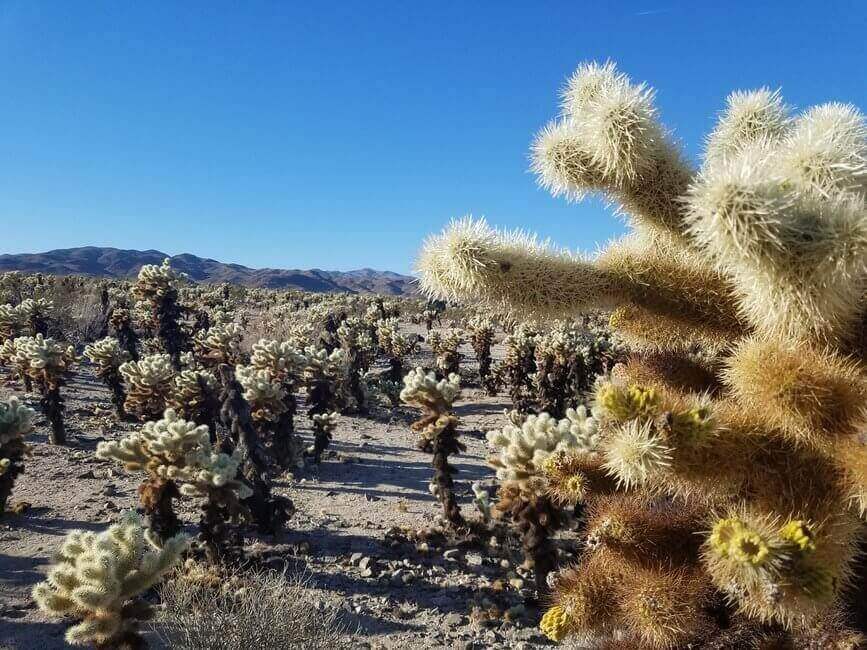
pixel 107 353
pixel 16 420
pixel 96 575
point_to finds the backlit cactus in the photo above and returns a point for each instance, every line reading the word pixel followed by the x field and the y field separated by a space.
pixel 16 421
pixel 156 288
pixel 438 430
pixel 49 364
pixel 149 385
pixel 481 338
pixel 740 290
pixel 544 465
pixel 219 344
pixel 108 356
pixel 179 459
pixel 98 578
pixel 195 396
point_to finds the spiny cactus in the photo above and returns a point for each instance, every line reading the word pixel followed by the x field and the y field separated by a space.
pixel 357 345
pixel 18 364
pixel 542 466
pixel 195 396
pixel 396 346
pixel 283 362
pixel 219 344
pixel 567 362
pixel 518 366
pixel 108 356
pixel 320 374
pixel 149 385
pixel 98 578
pixel 33 314
pixel 16 421
pixel 438 430
pixel 740 290
pixel 48 363
pixel 121 322
pixel 323 428
pixel 157 288
pixel 445 346
pixel 481 338
pixel 270 512
pixel 179 459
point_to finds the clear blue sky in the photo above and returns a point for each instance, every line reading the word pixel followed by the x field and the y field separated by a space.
pixel 336 135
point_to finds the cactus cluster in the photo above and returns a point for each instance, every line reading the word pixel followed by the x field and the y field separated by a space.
pixel 98 578
pixel 150 382
pixel 179 459
pixel 734 428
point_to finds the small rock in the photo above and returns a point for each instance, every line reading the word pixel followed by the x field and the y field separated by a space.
pixel 474 559
pixel 453 620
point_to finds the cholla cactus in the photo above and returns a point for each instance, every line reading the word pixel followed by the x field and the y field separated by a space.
pixel 121 322
pixel 16 421
pixel 396 346
pixel 11 323
pixel 323 428
pixel 179 459
pixel 48 363
pixel 33 315
pixel 98 578
pixel 567 362
pixel 445 346
pixel 195 396
pixel 18 364
pixel 283 362
pixel 109 356
pixel 519 365
pixel 219 344
pixel 481 339
pixel 157 288
pixel 740 291
pixel 149 384
pixel 438 429
pixel 356 342
pixel 544 465
pixel 321 374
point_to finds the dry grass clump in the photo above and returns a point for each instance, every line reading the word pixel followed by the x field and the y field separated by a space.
pixel 233 610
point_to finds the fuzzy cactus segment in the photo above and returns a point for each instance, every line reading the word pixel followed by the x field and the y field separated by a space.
pixel 97 578
pixel 16 421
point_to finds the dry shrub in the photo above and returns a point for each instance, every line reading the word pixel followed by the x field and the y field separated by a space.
pixel 243 610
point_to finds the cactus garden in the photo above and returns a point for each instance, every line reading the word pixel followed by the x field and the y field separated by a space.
pixel 625 409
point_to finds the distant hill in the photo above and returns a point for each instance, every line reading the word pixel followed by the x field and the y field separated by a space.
pixel 116 263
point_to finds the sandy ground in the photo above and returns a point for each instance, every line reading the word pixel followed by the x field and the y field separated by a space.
pixel 373 480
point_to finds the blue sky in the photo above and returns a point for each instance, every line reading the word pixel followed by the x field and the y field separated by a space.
pixel 338 135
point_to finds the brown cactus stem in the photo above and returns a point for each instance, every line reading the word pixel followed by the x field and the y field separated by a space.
pixel 157 498
pixel 126 336
pixel 321 441
pixel 283 442
pixel 395 369
pixel 444 445
pixel 52 406
pixel 28 383
pixel 113 380
pixel 355 388
pixel 537 520
pixel 214 531
pixel 168 314
pixel 268 511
